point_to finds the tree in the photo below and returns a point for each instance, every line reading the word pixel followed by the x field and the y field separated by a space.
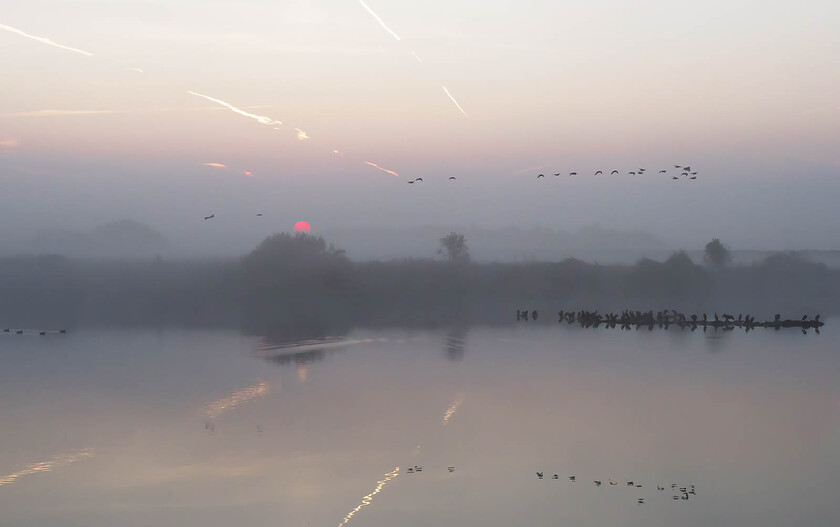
pixel 717 253
pixel 454 248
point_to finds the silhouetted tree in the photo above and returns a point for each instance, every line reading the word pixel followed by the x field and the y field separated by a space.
pixel 454 248
pixel 717 253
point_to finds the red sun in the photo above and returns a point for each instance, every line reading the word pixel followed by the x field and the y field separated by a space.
pixel 302 226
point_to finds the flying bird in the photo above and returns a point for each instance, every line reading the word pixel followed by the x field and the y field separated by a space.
pixel 632 173
pixel 674 177
pixel 451 177
pixel 259 214
pixel 598 172
pixel 418 179
pixel 557 174
pixel 210 217
pixel 572 173
pixel 614 172
pixel 541 175
pixel 663 171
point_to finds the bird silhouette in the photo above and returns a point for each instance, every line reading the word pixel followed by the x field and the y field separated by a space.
pixel 597 483
pixel 598 172
pixel 572 479
pixel 572 173
pixel 614 172
pixel 259 214
pixel 418 179
pixel 693 177
pixel 410 182
pixel 539 474
pixel 541 175
pixel 210 217
pixel 557 173
pixel 663 171
pixel 451 177
pixel 674 177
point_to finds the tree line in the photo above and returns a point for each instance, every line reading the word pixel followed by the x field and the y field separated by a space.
pixel 300 282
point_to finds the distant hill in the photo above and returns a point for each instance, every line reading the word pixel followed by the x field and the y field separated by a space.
pixel 118 239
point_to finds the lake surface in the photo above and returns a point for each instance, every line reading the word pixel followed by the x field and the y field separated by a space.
pixel 212 428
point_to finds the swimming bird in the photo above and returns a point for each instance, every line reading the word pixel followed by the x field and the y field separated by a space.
pixel 613 482
pixel 684 174
pixel 418 179
pixel 693 173
pixel 597 483
pixel 418 469
pixel 556 476
pixel 642 170
pixel 693 177
pixel 804 317
pixel 259 214
pixel 632 173
pixel 539 474
pixel 630 484
pixel 572 479
pixel 42 333
pixel 674 177
pixel 614 172
pixel 450 469
pixel 663 171
pixel 557 174
pixel 19 332
pixel 687 169
pixel 410 182
pixel 641 501
pixel 411 471
pixel 660 488
pixel 210 217
pixel 677 166
pixel 572 173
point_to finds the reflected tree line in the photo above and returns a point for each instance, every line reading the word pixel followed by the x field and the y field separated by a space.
pixel 305 286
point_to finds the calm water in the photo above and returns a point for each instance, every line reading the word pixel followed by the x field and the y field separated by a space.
pixel 206 428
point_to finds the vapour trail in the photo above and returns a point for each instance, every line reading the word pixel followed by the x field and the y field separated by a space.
pixel 259 118
pixel 44 40
pixel 453 100
pixel 374 165
pixel 229 402
pixel 381 23
pixel 413 54
pixel 47 466
pixel 369 498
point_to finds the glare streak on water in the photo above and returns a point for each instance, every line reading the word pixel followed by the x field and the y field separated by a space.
pixel 367 500
pixel 47 466
pixel 229 402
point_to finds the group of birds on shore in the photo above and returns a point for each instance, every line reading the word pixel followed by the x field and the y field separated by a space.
pixel 33 331
pixel 684 492
pixel 663 319
pixel 685 171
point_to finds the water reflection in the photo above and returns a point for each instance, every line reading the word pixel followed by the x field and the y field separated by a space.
pixel 456 340
pixel 453 408
pixel 229 402
pixel 47 466
pixel 367 500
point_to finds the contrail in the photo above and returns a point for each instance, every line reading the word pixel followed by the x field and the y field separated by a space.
pixel 381 23
pixel 46 40
pixel 453 100
pixel 369 498
pixel 229 402
pixel 216 165
pixel 374 165
pixel 260 118
pixel 452 409
pixel 46 466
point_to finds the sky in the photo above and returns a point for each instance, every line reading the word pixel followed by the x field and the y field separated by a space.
pixel 166 112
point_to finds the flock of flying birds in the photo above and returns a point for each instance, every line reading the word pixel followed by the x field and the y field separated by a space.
pixel 685 171
pixel 684 492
